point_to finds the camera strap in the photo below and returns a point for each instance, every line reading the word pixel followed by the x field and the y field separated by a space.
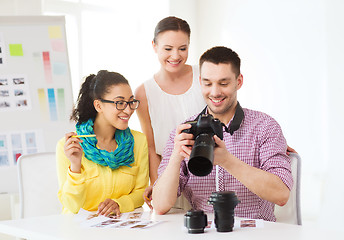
pixel 236 122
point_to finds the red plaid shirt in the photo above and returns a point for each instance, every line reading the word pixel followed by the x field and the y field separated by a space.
pixel 258 142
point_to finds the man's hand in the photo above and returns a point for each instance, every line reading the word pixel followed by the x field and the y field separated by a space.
pixel 221 154
pixel 183 142
pixel 290 150
pixel 108 207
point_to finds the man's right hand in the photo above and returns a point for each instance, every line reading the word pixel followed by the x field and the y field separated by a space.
pixel 183 142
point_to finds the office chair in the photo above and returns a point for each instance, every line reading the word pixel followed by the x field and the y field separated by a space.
pixel 38 185
pixel 291 212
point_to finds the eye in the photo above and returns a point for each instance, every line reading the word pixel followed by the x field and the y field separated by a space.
pixel 183 49
pixel 120 104
pixel 168 49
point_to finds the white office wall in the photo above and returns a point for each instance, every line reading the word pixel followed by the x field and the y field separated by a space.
pixel 292 65
pixel 292 62
pixel 20 7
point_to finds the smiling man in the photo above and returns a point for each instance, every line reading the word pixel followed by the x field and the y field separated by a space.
pixel 251 159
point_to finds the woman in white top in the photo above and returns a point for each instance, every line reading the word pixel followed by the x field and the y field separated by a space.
pixel 172 95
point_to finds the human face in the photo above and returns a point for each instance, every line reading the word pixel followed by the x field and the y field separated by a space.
pixel 172 48
pixel 219 88
pixel 119 119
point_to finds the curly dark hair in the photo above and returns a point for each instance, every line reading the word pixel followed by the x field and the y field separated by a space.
pixel 94 87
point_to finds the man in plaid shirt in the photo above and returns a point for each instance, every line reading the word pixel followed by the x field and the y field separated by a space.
pixel 250 160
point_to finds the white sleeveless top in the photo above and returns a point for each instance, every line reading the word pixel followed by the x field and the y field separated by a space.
pixel 167 111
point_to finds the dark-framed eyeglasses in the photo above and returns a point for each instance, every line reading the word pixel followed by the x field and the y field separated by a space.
pixel 121 105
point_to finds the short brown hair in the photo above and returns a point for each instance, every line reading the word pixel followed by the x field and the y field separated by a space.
pixel 221 54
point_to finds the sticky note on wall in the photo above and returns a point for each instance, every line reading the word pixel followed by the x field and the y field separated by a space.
pixel 16 50
pixel 55 32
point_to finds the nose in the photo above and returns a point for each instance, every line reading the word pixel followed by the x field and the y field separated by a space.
pixel 215 91
pixel 175 54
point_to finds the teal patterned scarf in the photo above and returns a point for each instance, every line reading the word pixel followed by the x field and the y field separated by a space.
pixel 122 156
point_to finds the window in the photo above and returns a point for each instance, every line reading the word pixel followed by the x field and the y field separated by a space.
pixel 110 34
pixel 113 35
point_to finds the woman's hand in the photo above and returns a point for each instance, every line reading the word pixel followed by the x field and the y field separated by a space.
pixel 108 207
pixel 147 196
pixel 73 151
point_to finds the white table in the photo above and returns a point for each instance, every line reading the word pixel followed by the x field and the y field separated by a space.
pixel 66 227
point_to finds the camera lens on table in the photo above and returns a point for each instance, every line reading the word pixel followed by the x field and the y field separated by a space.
pixel 195 221
pixel 224 203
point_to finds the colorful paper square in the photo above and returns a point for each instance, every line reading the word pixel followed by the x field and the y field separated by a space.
pixel 16 50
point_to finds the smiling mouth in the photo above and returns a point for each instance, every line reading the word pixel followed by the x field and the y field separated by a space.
pixel 174 62
pixel 123 118
pixel 217 101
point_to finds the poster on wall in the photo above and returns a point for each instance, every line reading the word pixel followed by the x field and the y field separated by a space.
pixel 35 89
pixel 14 93
pixel 15 144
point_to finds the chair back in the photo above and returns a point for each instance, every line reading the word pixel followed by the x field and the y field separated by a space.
pixel 291 212
pixel 38 185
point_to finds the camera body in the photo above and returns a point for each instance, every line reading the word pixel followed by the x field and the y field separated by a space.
pixel 206 124
pixel 202 154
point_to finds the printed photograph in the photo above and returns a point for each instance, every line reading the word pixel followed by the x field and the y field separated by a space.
pixel 16 155
pixel 3 81
pixel 126 224
pixel 30 140
pixel 18 81
pixel 18 92
pixel 4 104
pixel 16 141
pixel 248 223
pixel 3 143
pixel 21 103
pixel 135 215
pixel 106 223
pixel 4 93
pixel 3 159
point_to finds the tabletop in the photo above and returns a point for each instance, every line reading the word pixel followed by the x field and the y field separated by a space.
pixel 171 227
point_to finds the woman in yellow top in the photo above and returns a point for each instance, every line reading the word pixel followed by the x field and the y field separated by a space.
pixel 107 173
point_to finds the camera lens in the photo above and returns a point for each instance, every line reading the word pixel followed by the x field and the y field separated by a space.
pixel 195 221
pixel 202 155
pixel 224 204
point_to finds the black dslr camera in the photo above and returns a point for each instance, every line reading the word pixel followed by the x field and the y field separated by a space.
pixel 202 154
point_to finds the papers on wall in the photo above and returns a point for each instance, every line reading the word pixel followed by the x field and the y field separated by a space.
pixel 15 144
pixel 2 51
pixel 14 93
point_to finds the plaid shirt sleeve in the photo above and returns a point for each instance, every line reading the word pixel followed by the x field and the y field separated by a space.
pixel 272 152
pixel 184 174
